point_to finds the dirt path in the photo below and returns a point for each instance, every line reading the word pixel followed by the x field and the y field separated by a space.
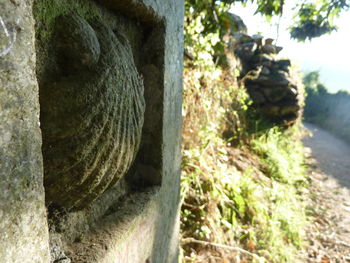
pixel 329 235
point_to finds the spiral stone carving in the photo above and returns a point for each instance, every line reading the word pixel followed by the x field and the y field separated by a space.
pixel 91 112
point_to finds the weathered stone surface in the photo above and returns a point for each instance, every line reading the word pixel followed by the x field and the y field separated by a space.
pixel 258 39
pixel 267 63
pixel 284 63
pixel 261 58
pixel 80 58
pixel 292 92
pixel 56 249
pixel 289 109
pixel 265 71
pixel 273 85
pixel 76 43
pixel 91 112
pixel 269 41
pixel 268 49
pixel 23 226
pixel 257 97
pixel 276 78
pixel 246 51
pixel 271 110
pixel 242 37
pixel 275 94
pixel 271 49
pixel 235 23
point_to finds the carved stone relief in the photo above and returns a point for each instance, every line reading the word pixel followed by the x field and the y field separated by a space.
pixel 92 112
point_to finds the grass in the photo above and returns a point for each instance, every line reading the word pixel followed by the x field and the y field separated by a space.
pixel 283 154
pixel 256 205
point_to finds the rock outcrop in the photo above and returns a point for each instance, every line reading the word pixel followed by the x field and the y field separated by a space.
pixel 272 83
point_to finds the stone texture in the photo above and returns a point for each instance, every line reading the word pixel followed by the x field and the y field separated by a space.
pixel 91 112
pixel 257 96
pixel 275 94
pixel 77 44
pixel 274 87
pixel 271 49
pixel 23 227
pixel 246 50
pixel 56 252
pixel 234 23
pixel 90 67
pixel 165 245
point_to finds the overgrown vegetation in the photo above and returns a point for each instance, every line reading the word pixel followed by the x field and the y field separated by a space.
pixel 311 18
pixel 325 109
pixel 246 196
pixel 242 186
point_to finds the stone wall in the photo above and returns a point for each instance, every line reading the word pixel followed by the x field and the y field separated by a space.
pixel 93 124
pixel 272 83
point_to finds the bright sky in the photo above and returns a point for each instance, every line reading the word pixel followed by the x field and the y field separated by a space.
pixel 330 54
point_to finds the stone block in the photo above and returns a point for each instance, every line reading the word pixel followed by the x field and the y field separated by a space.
pixel 110 79
pixel 92 112
pixel 275 94
pixel 23 225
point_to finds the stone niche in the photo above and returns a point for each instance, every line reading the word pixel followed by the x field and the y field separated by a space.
pixel 92 111
pixel 110 93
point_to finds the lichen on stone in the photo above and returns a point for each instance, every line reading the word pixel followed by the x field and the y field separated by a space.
pixel 91 111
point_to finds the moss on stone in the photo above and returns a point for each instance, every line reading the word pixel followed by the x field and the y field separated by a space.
pixel 46 11
pixel 92 104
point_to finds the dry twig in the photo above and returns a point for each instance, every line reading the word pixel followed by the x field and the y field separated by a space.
pixel 238 249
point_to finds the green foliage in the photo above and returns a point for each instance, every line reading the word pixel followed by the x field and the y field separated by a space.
pixel 312 18
pixel 265 215
pixel 316 18
pixel 327 110
pixel 210 11
pixel 282 156
pixel 270 8
pixel 200 45
pixel 259 207
pixel 220 203
pixel 204 29
pixel 311 80
pixel 316 93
